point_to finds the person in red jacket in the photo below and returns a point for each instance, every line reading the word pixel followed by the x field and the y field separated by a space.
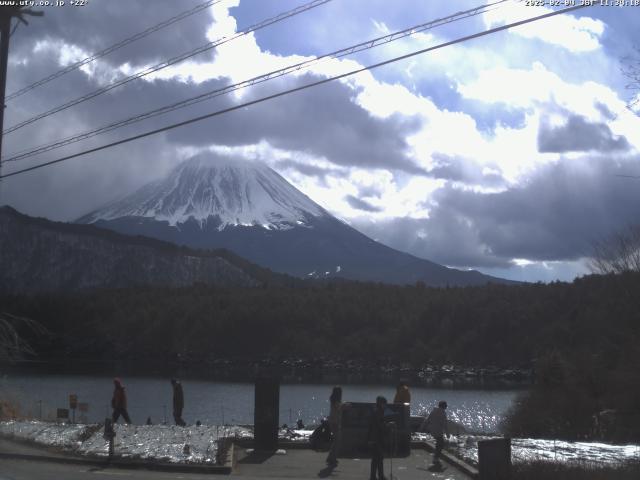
pixel 119 402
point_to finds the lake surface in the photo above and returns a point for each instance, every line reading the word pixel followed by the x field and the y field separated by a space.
pixel 217 403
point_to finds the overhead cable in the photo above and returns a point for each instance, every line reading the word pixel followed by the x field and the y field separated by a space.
pixel 172 61
pixel 292 90
pixel 113 48
pixel 255 80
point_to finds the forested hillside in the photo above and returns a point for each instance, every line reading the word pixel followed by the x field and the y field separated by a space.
pixel 494 324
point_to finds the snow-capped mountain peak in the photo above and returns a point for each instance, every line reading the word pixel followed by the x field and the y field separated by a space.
pixel 227 191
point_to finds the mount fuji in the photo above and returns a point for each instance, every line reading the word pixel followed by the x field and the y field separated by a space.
pixel 211 202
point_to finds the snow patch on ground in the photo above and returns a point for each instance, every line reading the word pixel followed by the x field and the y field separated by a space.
pixel 532 449
pixel 65 436
pixel 149 442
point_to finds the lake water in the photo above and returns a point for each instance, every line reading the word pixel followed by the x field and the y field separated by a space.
pixel 217 403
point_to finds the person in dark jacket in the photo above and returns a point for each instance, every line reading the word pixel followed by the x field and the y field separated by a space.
pixel 119 402
pixel 335 422
pixel 321 436
pixel 377 435
pixel 178 402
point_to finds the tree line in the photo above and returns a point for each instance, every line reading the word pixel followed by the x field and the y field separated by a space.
pixel 489 325
pixel 581 338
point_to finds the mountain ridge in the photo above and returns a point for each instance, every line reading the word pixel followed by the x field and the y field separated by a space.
pixel 37 254
pixel 267 221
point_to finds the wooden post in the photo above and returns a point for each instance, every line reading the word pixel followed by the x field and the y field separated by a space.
pixel 6 14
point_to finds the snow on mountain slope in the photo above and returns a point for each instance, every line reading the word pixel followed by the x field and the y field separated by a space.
pixel 244 206
pixel 229 191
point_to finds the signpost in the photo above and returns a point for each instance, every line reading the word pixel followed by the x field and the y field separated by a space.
pixel 73 404
pixel 83 407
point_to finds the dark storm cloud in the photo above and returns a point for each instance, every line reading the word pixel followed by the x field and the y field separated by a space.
pixel 579 135
pixel 323 121
pixel 124 102
pixel 360 204
pixel 69 190
pixel 447 241
pixel 101 24
pixel 463 170
pixel 556 215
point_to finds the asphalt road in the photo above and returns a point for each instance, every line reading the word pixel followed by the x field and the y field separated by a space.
pixel 347 470
pixel 26 470
pixel 294 464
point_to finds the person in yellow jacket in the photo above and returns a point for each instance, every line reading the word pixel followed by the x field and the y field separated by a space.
pixel 403 395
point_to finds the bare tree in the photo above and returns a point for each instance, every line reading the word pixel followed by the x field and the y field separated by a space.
pixel 12 346
pixel 618 253
pixel 631 68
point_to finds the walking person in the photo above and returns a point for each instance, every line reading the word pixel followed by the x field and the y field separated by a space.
pixel 376 439
pixel 178 402
pixel 436 425
pixel 403 395
pixel 335 424
pixel 119 402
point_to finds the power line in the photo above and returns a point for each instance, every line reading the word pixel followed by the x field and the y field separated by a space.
pixel 382 40
pixel 7 13
pixel 172 61
pixel 114 47
pixel 292 90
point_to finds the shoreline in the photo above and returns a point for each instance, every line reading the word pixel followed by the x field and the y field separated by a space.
pixel 291 371
pixel 166 443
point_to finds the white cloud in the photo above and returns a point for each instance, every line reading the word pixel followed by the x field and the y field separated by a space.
pixel 546 93
pixel 493 77
pixel 580 34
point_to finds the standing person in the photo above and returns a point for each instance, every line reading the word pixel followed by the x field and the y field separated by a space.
pixel 436 424
pixel 376 436
pixel 335 424
pixel 119 402
pixel 403 395
pixel 178 402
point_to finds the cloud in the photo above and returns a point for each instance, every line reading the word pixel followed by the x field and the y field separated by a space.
pixel 579 135
pixel 553 217
pixel 325 122
pixel 464 170
pixel 604 111
pixel 360 204
pixel 307 169
pixel 98 25
pixel 369 191
pixel 576 34
pixel 445 241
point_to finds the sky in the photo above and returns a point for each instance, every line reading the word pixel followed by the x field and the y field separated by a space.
pixel 510 154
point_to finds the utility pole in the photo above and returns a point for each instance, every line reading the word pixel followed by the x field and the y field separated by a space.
pixel 7 13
